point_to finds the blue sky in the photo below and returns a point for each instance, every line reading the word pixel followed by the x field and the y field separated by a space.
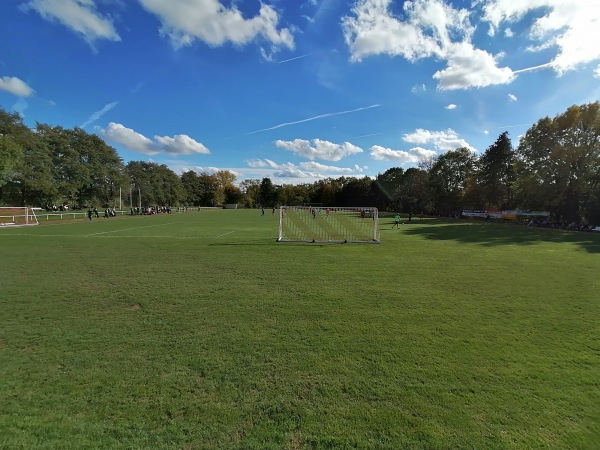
pixel 297 90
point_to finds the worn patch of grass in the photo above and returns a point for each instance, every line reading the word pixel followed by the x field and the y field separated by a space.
pixel 200 331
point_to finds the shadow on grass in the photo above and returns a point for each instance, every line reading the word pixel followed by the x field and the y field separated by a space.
pixel 492 234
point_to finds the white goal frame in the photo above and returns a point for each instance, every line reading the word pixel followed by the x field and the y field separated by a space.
pixel 328 224
pixel 17 216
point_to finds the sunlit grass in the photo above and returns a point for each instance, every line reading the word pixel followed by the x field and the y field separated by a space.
pixel 200 331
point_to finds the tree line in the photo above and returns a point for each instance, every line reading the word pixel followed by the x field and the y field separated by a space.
pixel 555 167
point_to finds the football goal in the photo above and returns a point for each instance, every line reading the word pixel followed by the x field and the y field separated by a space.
pixel 322 224
pixel 17 215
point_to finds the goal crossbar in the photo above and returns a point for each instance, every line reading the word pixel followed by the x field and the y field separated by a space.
pixel 328 224
pixel 17 216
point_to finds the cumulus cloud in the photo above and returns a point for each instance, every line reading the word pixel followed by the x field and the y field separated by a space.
pixel 451 106
pixel 441 140
pixel 570 27
pixel 210 21
pixel 81 16
pixel 428 28
pixel 319 149
pixel 16 86
pixel 469 67
pixel 180 144
pixel 305 170
pixel 435 29
pixel 315 166
pixel 512 97
pixel 413 156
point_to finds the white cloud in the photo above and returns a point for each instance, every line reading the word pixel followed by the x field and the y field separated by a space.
pixel 411 156
pixel 573 27
pixel 207 170
pixel 315 166
pixel 471 67
pixel 486 132
pixel 418 88
pixel 441 140
pixel 431 28
pixel 435 29
pixel 319 149
pixel 15 86
pixel 180 144
pixel 95 116
pixel 211 22
pixel 80 16
pixel 512 97
pixel 304 170
pixel 451 106
pixel 597 72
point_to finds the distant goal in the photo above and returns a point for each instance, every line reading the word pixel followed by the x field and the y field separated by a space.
pixel 322 224
pixel 17 216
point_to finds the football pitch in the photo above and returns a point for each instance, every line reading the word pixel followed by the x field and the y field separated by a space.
pixel 199 331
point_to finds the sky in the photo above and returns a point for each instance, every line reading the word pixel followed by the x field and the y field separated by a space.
pixel 297 90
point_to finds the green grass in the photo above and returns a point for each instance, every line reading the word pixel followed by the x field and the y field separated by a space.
pixel 199 331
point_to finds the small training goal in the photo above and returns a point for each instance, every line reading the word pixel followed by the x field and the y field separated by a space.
pixel 323 224
pixel 17 216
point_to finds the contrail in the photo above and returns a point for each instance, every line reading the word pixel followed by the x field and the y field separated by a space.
pixel 529 69
pixel 321 116
pixel 365 135
pixel 296 57
pixel 98 114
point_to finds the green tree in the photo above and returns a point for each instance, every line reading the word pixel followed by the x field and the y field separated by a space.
pixel 496 176
pixel 30 181
pixel 267 193
pixel 154 185
pixel 250 189
pixel 449 175
pixel 386 189
pixel 11 155
pixel 558 163
pixel 413 192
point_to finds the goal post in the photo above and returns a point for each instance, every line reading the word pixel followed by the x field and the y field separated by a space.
pixel 323 224
pixel 17 216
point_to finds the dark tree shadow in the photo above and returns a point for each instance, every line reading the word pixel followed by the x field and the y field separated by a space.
pixel 493 234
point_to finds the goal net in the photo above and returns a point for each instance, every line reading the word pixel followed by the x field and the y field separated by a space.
pixel 320 224
pixel 17 216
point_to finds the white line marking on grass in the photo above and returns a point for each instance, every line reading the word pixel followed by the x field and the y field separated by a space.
pixel 128 229
pixel 225 234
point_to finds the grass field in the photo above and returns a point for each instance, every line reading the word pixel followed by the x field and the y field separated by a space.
pixel 199 331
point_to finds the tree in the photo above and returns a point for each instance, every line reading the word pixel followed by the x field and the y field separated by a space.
pixel 413 191
pixel 449 176
pixel 250 190
pixel 495 175
pixel 558 163
pixel 11 155
pixel 154 184
pixel 267 193
pixel 85 169
pixel 30 181
pixel 357 192
pixel 225 183
pixel 386 188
